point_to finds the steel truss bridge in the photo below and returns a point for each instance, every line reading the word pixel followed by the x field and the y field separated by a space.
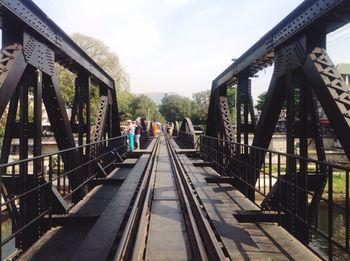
pixel 212 196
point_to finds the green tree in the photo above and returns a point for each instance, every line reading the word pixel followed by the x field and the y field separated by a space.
pixel 262 98
pixel 66 82
pixel 231 99
pixel 124 98
pixel 143 106
pixel 261 101
pixel 105 58
pixel 200 106
pixel 175 107
pixel 108 61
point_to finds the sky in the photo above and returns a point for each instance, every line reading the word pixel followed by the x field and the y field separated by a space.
pixel 180 45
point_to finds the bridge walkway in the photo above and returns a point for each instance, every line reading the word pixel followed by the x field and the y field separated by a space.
pixel 91 232
pixel 167 237
pixel 243 241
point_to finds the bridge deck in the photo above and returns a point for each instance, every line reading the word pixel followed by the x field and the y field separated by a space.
pixel 167 237
pixel 259 240
pixel 102 211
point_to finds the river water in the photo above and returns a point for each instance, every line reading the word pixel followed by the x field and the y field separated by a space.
pixel 321 245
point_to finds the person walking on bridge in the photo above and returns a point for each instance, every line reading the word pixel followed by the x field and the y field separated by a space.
pixel 131 134
pixel 138 132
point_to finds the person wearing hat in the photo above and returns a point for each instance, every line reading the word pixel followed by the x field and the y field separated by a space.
pixel 130 129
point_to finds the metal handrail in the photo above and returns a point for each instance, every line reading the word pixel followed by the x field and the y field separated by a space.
pixel 288 188
pixel 280 153
pixel 64 174
pixel 58 152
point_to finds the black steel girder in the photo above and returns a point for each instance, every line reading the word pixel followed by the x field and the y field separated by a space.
pixel 67 52
pixel 334 13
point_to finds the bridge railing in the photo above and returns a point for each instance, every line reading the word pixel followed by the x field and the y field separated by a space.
pixel 307 197
pixel 35 189
pixel 187 139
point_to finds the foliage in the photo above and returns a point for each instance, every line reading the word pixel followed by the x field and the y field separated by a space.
pixel 231 99
pixel 261 101
pixel 123 98
pixel 175 107
pixel 143 106
pixel 2 126
pixel 200 105
pixel 102 55
pixel 262 98
pixel 339 183
pixel 66 82
pixel 109 61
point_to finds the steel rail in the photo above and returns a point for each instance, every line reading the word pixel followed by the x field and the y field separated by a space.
pixel 132 243
pixel 211 245
pixel 125 249
pixel 134 236
pixel 198 245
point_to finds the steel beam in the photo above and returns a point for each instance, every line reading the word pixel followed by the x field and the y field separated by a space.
pixel 332 92
pixel 57 114
pixel 12 67
pixel 32 17
pixel 307 14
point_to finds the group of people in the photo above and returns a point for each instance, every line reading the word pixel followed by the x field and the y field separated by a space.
pixel 134 131
pixel 169 128
pixel 157 128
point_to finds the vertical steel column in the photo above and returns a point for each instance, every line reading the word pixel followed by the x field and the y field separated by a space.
pixel 38 114
pixel 115 114
pixel 239 103
pixel 110 114
pixel 82 85
pixel 291 171
pixel 302 195
pixel 213 116
pixel 88 112
pixel 316 38
pixel 24 240
pixel 244 102
pixel 38 175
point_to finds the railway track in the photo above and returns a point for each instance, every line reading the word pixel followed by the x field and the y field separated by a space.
pixel 167 220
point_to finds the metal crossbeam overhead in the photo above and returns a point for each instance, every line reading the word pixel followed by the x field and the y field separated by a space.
pixel 307 14
pixel 67 52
